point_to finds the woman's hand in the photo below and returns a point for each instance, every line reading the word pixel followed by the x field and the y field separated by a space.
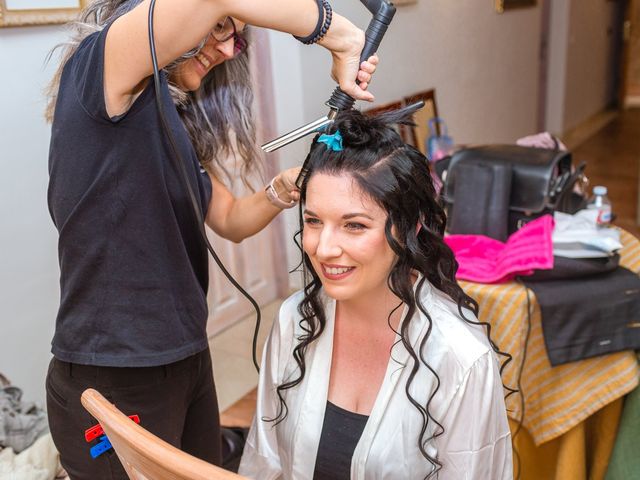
pixel 367 69
pixel 285 185
pixel 345 42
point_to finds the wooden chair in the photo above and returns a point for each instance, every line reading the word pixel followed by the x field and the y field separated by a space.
pixel 418 135
pixel 145 456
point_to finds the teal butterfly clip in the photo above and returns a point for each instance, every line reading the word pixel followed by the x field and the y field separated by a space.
pixel 333 141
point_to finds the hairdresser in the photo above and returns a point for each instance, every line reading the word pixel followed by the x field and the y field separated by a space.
pixel 133 311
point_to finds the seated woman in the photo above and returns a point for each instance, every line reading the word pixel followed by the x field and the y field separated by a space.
pixel 379 368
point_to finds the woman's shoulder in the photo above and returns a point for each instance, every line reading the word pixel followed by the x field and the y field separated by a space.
pixel 85 49
pixel 456 330
pixel 289 313
pixel 290 304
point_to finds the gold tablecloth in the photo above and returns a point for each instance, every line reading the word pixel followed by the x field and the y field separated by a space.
pixel 556 399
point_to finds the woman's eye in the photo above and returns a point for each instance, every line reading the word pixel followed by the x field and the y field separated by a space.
pixel 311 221
pixel 355 226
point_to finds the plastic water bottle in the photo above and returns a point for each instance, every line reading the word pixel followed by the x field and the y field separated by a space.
pixel 601 202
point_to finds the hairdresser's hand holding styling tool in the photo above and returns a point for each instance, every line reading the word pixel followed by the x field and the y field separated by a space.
pixel 383 12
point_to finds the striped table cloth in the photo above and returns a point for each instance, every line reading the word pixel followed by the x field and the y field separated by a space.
pixel 555 398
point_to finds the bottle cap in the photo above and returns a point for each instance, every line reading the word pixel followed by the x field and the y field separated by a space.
pixel 599 190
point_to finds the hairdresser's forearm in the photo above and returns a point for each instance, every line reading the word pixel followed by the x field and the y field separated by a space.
pixel 180 25
pixel 238 218
pixel 249 216
pixel 298 17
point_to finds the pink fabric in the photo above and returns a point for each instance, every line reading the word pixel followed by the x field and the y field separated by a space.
pixel 541 140
pixel 485 260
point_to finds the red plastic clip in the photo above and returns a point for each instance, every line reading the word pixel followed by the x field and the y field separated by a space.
pixel 96 431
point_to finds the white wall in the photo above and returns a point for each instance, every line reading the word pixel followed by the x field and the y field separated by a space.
pixel 557 51
pixel 583 61
pixel 29 268
pixel 591 55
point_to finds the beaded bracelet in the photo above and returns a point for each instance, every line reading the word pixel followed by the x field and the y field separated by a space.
pixel 324 12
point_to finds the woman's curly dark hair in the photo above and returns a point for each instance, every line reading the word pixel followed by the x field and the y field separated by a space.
pixel 397 177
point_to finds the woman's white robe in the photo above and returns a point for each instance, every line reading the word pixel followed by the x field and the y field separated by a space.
pixel 469 403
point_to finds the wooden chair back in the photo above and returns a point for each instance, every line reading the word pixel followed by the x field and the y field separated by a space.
pixel 387 107
pixel 143 455
pixel 418 135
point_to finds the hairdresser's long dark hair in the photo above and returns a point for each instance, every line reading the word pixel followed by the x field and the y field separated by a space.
pixel 396 176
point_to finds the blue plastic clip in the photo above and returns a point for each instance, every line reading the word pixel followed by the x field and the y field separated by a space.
pixel 332 141
pixel 99 448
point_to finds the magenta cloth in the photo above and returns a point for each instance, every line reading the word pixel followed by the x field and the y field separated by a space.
pixel 486 260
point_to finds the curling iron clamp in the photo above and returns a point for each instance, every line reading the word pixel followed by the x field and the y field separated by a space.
pixel 383 13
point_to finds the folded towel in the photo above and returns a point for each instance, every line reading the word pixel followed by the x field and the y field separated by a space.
pixel 579 236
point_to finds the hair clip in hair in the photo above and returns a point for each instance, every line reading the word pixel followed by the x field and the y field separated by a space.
pixel 333 141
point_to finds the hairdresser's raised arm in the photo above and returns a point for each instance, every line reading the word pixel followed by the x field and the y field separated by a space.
pixel 180 25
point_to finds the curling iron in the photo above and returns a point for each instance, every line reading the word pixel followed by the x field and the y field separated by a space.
pixel 383 13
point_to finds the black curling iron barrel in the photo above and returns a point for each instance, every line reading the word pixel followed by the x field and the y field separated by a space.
pixel 383 13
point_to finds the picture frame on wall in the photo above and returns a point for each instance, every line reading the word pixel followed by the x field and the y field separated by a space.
pixel 502 5
pixel 419 133
pixel 20 13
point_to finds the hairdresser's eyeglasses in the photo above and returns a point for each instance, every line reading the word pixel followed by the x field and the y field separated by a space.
pixel 225 30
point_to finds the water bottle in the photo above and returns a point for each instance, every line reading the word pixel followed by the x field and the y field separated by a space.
pixel 601 202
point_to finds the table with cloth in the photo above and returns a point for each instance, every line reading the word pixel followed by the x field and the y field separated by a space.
pixel 571 411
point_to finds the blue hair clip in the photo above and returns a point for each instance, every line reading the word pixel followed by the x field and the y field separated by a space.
pixel 333 141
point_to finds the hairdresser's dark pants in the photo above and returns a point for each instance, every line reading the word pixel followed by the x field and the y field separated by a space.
pixel 176 402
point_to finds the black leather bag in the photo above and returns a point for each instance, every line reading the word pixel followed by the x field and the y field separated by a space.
pixel 495 189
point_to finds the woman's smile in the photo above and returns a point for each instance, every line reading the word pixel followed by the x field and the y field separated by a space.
pixel 205 61
pixel 336 272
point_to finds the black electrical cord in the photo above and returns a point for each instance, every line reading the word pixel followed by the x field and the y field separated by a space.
pixel 180 164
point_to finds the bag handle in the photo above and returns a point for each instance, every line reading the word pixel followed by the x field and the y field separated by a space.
pixel 562 192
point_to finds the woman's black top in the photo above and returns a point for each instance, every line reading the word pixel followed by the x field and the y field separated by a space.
pixel 341 432
pixel 133 267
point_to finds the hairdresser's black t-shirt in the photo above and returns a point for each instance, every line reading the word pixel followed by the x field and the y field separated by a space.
pixel 134 271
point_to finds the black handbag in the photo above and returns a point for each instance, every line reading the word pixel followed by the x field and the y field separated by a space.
pixel 495 189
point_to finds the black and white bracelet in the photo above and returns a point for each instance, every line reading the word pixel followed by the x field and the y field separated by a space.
pixel 324 22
